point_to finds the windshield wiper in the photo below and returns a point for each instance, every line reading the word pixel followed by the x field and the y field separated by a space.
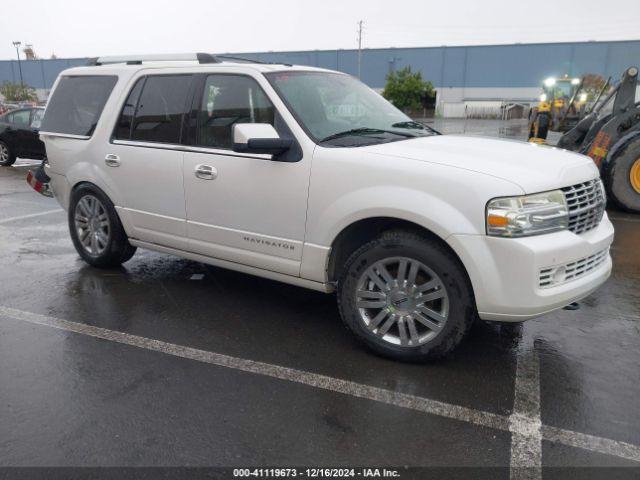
pixel 415 126
pixel 364 131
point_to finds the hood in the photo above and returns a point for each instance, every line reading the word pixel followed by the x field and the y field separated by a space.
pixel 535 168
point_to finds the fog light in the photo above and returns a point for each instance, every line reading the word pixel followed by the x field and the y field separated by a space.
pixel 559 275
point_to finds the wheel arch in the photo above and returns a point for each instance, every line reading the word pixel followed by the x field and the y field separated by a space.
pixel 87 183
pixel 354 235
pixel 87 172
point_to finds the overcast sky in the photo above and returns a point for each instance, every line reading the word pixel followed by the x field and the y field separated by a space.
pixel 79 28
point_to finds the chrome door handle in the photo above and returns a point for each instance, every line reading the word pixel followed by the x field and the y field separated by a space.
pixel 112 160
pixel 206 172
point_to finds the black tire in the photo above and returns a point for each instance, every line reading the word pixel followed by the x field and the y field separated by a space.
pixel 541 121
pixel 117 248
pixel 617 178
pixel 11 158
pixel 431 253
pixel 543 125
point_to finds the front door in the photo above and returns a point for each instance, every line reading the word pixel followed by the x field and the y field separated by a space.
pixel 249 210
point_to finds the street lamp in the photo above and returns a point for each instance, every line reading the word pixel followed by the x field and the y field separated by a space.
pixel 17 45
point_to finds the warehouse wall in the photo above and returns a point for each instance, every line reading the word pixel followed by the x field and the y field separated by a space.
pixel 39 74
pixel 460 73
pixel 516 66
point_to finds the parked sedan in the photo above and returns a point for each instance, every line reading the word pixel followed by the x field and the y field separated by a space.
pixel 19 135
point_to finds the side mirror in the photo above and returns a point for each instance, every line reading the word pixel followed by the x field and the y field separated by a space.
pixel 259 138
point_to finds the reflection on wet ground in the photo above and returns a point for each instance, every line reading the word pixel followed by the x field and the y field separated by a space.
pixel 73 399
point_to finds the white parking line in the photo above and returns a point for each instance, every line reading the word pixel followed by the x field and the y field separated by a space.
pixel 31 215
pixel 525 400
pixel 45 201
pixel 525 423
pixel 605 446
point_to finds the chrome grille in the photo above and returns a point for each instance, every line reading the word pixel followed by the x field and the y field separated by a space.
pixel 553 276
pixel 586 204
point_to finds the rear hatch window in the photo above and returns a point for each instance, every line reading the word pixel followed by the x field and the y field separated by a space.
pixel 76 104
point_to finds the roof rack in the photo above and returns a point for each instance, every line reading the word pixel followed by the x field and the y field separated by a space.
pixel 138 59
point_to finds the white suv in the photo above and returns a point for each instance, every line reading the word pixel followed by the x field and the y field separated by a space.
pixel 309 177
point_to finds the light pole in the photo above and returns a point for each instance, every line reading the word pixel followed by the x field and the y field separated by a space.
pixel 17 45
pixel 360 48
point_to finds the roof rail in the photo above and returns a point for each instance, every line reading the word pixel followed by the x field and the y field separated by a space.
pixel 238 59
pixel 138 59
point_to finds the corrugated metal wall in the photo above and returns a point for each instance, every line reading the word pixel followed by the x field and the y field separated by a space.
pixel 492 66
pixel 39 74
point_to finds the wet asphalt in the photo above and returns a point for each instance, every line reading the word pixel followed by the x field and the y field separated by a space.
pixel 70 399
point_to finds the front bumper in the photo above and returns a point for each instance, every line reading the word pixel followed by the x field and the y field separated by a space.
pixel 506 272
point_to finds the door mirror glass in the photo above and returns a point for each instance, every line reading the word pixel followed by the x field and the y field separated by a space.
pixel 259 138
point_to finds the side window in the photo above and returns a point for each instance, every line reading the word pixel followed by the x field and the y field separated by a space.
pixel 161 107
pixel 125 122
pixel 227 100
pixel 20 118
pixel 36 118
pixel 76 104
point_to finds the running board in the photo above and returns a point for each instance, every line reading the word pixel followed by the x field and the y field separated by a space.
pixel 238 267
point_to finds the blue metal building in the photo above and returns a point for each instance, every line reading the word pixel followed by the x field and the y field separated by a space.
pixel 486 66
pixel 461 74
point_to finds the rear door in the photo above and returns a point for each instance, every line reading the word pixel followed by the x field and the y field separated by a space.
pixel 18 123
pixel 144 159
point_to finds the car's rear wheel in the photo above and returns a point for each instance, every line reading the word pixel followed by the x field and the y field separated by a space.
pixel 7 158
pixel 96 230
pixel 406 297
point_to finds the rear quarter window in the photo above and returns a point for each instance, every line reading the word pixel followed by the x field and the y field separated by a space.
pixel 76 104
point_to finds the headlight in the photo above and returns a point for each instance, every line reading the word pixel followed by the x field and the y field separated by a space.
pixel 527 215
pixel 543 97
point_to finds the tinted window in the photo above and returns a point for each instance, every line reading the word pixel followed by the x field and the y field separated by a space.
pixel 20 118
pixel 227 100
pixel 76 104
pixel 125 122
pixel 162 104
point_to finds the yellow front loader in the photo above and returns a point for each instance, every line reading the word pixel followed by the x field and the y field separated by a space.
pixel 562 105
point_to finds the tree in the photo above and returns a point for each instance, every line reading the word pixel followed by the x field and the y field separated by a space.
pixel 407 90
pixel 14 92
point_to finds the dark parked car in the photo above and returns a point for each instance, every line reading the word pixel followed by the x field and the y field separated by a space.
pixel 19 135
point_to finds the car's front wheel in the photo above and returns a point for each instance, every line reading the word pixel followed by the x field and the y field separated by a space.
pixel 406 297
pixel 7 158
pixel 96 231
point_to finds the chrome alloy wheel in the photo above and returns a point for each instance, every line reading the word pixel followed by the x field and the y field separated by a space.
pixel 92 225
pixel 402 301
pixel 4 153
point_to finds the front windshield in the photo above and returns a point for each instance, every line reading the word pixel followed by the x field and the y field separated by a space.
pixel 336 109
pixel 562 89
